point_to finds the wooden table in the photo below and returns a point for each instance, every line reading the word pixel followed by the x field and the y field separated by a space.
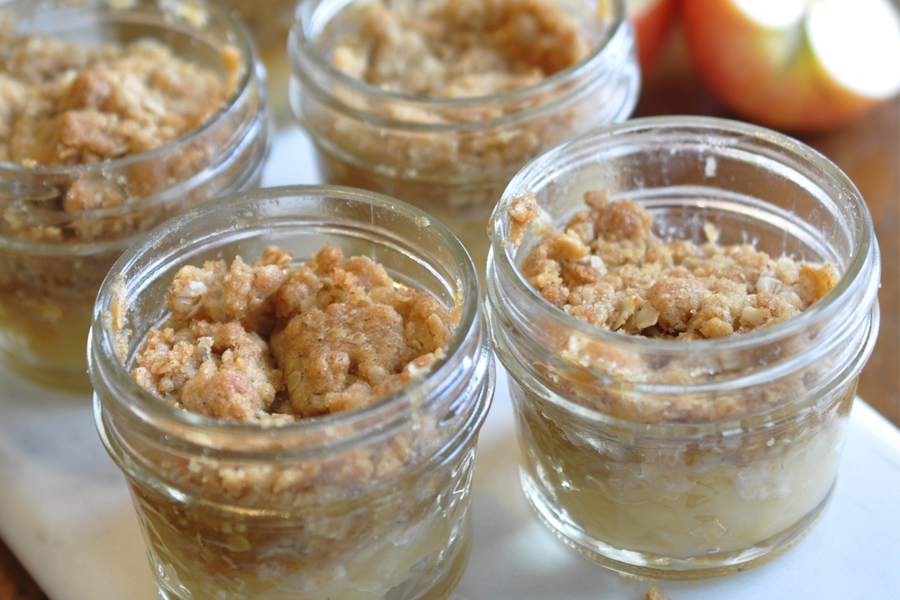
pixel 868 151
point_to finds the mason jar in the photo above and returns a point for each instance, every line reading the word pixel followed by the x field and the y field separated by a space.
pixel 453 156
pixel 673 458
pixel 371 502
pixel 63 226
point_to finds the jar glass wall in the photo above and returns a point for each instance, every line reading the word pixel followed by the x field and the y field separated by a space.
pixel 63 225
pixel 732 461
pixel 453 156
pixel 365 503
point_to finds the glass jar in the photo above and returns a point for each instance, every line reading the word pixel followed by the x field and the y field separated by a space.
pixel 453 156
pixel 365 503
pixel 726 467
pixel 55 252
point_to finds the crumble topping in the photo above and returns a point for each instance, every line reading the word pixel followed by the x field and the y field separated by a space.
pixel 458 49
pixel 65 104
pixel 608 268
pixel 267 341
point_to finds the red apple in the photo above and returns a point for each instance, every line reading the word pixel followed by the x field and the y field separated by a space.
pixel 652 20
pixel 796 65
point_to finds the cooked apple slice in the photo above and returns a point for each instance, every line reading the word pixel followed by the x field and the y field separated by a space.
pixel 797 65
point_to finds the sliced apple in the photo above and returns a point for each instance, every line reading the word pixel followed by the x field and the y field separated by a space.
pixel 796 65
pixel 652 20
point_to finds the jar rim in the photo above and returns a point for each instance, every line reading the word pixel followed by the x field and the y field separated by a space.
pixel 104 364
pixel 301 41
pixel 864 260
pixel 250 69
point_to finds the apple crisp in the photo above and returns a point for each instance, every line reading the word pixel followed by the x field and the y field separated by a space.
pixel 684 456
pixel 68 105
pixel 458 49
pixel 64 104
pixel 352 510
pixel 259 341
pixel 100 143
pixel 453 97
pixel 608 268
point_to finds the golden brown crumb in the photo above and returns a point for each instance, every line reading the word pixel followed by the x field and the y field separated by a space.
pixel 654 594
pixel 522 211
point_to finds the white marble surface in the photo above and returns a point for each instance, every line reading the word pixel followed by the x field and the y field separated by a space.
pixel 66 513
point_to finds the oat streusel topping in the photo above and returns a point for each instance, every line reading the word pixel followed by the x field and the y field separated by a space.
pixel 67 104
pixel 608 268
pixel 458 49
pixel 268 341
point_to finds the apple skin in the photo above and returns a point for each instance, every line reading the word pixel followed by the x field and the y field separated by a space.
pixel 652 20
pixel 766 75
